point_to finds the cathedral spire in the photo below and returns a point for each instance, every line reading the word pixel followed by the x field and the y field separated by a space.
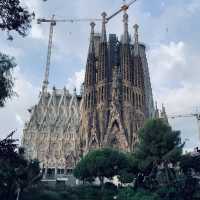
pixel 163 115
pixel 90 66
pixel 126 51
pixel 157 114
pixel 91 48
pixel 126 34
pixel 136 39
pixel 103 33
pixel 74 91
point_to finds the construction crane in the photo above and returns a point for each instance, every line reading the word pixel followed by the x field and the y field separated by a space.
pixel 196 115
pixel 53 23
pixel 124 8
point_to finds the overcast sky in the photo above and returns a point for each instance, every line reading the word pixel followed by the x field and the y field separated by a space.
pixel 170 29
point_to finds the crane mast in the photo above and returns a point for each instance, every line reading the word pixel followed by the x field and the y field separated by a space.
pixel 53 22
pixel 46 78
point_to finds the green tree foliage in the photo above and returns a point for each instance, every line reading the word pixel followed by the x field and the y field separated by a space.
pixel 82 192
pixel 16 173
pixel 189 163
pixel 14 17
pixel 158 144
pixel 130 172
pixel 130 194
pixel 100 164
pixel 6 79
pixel 158 151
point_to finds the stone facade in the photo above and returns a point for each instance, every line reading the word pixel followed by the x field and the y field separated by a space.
pixel 52 131
pixel 117 91
pixel 115 102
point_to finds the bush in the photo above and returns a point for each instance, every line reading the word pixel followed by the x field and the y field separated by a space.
pixel 131 194
pixel 102 163
pixel 70 193
pixel 110 186
pixel 169 193
pixel 49 195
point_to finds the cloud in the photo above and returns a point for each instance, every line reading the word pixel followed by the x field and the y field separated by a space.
pixel 11 51
pixel 171 76
pixel 14 114
pixel 176 85
pixel 184 100
pixel 167 61
pixel 76 80
pixel 36 32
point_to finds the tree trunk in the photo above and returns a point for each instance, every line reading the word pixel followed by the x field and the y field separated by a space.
pixel 9 191
pixel 101 183
pixel 18 193
pixel 101 179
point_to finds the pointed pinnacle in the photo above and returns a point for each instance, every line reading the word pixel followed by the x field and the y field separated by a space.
pixel 103 37
pixel 92 24
pixel 136 27
pixel 126 35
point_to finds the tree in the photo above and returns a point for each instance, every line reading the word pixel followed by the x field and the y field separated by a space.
pixel 16 173
pixel 190 166
pixel 130 172
pixel 189 163
pixel 14 17
pixel 159 149
pixel 6 79
pixel 103 163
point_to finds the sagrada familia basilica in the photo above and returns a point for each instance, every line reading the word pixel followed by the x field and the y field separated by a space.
pixel 115 101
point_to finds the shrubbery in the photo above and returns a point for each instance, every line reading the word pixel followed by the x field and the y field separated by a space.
pixel 70 193
pixel 16 173
pixel 157 170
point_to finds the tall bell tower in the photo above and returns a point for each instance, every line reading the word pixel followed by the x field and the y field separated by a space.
pixel 115 102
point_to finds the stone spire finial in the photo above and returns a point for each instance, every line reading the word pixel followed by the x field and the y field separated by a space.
pixel 136 39
pixel 163 108
pixel 136 27
pixel 103 34
pixel 126 35
pixel 92 24
pixel 156 105
pixel 74 91
pixel 157 114
pixel 82 89
pixel 164 115
pixel 54 95
pixel 91 48
pixel 64 91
